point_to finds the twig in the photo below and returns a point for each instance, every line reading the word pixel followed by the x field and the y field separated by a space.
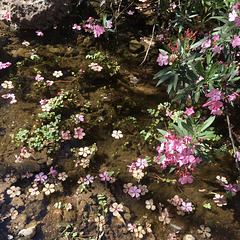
pixel 232 141
pixel 153 30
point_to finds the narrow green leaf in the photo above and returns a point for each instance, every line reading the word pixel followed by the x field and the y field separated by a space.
pixel 197 44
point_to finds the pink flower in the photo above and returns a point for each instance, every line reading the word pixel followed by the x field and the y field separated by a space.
pixel 39 33
pixel 4 65
pixel 189 111
pixel 187 207
pixel 130 12
pixel 162 59
pixel 39 78
pixel 98 30
pixel 236 41
pixel 104 176
pixel 6 15
pixel 237 155
pixel 79 133
pixel 217 49
pixel 134 191
pixel 43 101
pixel 108 24
pixel 236 7
pixel 78 118
pixel 52 172
pixel 206 44
pixel 215 95
pixel 141 163
pixel 216 38
pixel 76 27
pixel 186 179
pixel 237 21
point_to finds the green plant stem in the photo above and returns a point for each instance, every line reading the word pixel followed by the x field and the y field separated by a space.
pixel 231 138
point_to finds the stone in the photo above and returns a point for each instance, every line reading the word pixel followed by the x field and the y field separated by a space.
pixel 29 232
pixel 34 14
pixel 135 46
pixel 178 225
pixel 189 237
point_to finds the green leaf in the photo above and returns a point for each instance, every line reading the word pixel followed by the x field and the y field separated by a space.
pixel 197 44
pixel 164 78
pixel 172 169
pixel 207 123
pixel 163 132
pixel 189 128
pixel 162 72
pixel 103 2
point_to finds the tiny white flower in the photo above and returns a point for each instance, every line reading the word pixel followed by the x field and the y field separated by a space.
pixel 117 134
pixel 57 74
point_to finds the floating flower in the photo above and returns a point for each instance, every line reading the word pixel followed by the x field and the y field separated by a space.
pixel 62 176
pixel 26 43
pixel 84 162
pixel 165 217
pixel 220 200
pixel 68 206
pixel 117 134
pixel 143 189
pixel 116 208
pixel 126 187
pixel 150 205
pixel 78 118
pixel 95 67
pixel 52 172
pixel 84 151
pixel 139 232
pixel 100 221
pixel 66 135
pixel 78 133
pixel 187 207
pixel 221 180
pixel 189 111
pixel 48 188
pixel 34 191
pixel 18 159
pixel 134 191
pixel 13 191
pixel 104 176
pixel 13 213
pixel 39 33
pixel 57 74
pixel 138 174
pixel 204 231
pixel 131 227
pixel 40 177
pixel 7 84
pixel 88 179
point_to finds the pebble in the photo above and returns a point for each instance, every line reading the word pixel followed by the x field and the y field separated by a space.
pixel 189 237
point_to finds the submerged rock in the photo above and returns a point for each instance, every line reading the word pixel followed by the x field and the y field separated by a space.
pixel 189 237
pixel 34 14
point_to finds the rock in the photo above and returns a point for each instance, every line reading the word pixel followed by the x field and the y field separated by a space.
pixel 28 232
pixel 135 46
pixel 189 237
pixel 34 14
pixel 178 225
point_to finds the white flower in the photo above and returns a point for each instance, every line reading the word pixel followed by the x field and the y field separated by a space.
pixel 84 151
pixel 13 191
pixel 204 231
pixel 100 221
pixel 95 67
pixel 150 205
pixel 116 208
pixel 48 188
pixel 220 200
pixel 143 188
pixel 62 176
pixel 46 108
pixel 34 191
pixel 138 174
pixel 26 43
pixel 139 232
pixel 117 134
pixel 13 213
pixel 85 162
pixel 7 84
pixel 221 180
pixel 57 74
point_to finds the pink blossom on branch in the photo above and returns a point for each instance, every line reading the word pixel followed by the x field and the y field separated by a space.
pixel 98 30
pixel 162 59
pixel 189 111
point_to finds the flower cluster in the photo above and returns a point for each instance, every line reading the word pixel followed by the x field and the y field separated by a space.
pixel 137 168
pixel 178 152
pixel 7 84
pixel 234 15
pixel 215 104
pixel 4 65
pixel 162 59
pixel 92 26
pixel 11 96
pixel 135 191
pixel 95 67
